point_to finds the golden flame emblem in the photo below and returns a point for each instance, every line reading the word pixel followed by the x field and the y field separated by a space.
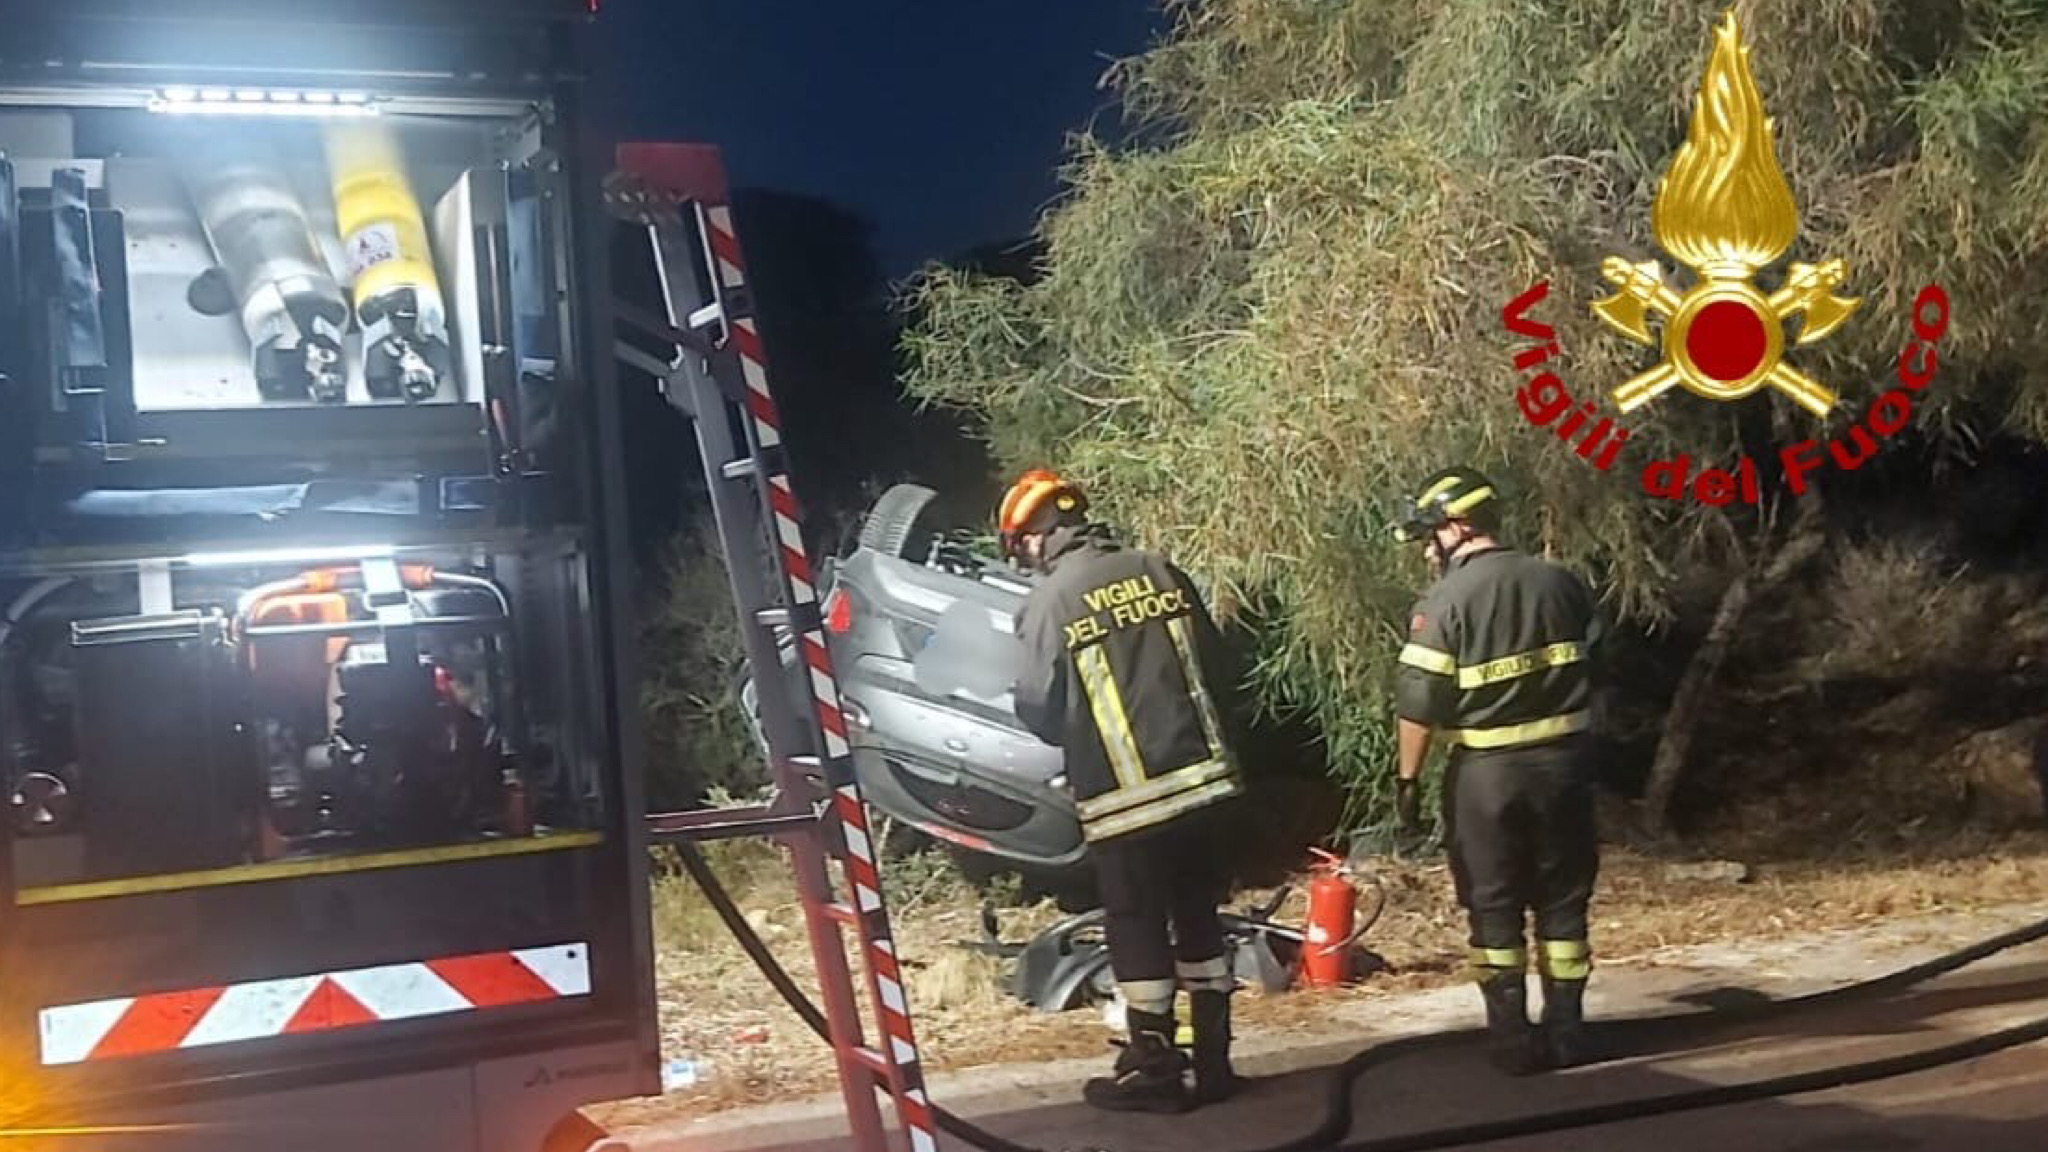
pixel 1724 209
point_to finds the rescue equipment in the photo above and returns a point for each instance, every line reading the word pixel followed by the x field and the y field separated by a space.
pixel 1332 909
pixel 391 268
pixel 275 277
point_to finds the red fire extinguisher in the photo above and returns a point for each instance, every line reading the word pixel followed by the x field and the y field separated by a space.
pixel 1332 910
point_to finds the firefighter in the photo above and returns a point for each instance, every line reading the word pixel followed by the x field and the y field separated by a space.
pixel 1121 670
pixel 1498 663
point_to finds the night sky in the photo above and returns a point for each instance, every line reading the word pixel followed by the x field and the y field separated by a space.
pixel 941 121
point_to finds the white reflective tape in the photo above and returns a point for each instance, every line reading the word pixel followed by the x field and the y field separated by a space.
pixel 885 945
pixel 921 1141
pixel 756 374
pixel 71 1033
pixel 800 589
pixel 1155 996
pixel 906 1056
pixel 565 968
pixel 766 433
pixel 892 995
pixel 401 991
pixel 835 745
pixel 857 844
pixel 247 1011
pixel 780 483
pixel 730 272
pixel 823 687
pixel 869 898
pixel 791 532
pixel 720 216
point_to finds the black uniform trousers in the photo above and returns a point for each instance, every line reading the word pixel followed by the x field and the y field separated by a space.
pixel 1523 840
pixel 1160 890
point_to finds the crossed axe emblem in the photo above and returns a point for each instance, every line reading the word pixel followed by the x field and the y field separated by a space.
pixel 1724 338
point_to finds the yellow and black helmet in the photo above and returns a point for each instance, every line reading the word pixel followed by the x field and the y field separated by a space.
pixel 1458 493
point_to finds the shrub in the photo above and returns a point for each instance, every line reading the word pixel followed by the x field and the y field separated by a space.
pixel 692 660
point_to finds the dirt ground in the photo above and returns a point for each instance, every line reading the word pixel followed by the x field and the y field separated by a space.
pixel 731 1043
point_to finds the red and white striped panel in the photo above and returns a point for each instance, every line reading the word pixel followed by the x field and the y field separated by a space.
pixel 293 1005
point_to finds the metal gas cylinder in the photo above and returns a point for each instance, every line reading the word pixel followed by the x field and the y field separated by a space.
pixel 1332 908
pixel 290 304
pixel 391 267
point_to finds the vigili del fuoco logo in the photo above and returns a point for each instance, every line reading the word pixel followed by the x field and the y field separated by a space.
pixel 1725 211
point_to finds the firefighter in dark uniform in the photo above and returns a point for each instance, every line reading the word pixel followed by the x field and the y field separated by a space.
pixel 1498 663
pixel 1121 670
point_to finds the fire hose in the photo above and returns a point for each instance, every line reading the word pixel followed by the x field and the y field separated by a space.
pixel 1330 1134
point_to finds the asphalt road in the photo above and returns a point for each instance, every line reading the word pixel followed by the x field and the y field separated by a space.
pixel 1995 1104
pixel 1989 1105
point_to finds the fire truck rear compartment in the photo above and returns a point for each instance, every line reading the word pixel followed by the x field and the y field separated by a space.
pixel 311 774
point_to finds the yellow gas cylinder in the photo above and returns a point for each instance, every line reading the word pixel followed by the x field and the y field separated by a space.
pixel 391 267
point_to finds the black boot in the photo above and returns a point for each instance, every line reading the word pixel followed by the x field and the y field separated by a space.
pixel 1215 1082
pixel 1148 1073
pixel 1565 1041
pixel 1510 1041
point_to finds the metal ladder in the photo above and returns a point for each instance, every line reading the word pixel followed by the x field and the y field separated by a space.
pixel 718 378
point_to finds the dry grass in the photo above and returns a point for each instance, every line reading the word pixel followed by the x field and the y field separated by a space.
pixel 713 999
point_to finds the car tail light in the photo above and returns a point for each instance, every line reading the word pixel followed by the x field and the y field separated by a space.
pixel 839 612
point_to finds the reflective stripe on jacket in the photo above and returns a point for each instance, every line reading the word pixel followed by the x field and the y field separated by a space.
pixel 1499 652
pixel 1121 659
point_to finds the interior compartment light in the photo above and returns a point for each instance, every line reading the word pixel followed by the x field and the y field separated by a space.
pixel 288 556
pixel 259 102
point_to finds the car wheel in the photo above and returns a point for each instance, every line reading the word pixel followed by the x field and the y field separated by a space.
pixel 893 525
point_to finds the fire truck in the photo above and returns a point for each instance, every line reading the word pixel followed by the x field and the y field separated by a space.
pixel 319 756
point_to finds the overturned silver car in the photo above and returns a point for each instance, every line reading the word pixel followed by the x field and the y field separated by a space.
pixel 920 627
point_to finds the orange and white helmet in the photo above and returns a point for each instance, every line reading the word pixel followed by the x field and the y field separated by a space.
pixel 1035 493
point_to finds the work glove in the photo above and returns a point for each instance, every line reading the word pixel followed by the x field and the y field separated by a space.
pixel 1408 805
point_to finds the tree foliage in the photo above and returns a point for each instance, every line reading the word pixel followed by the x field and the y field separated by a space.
pixel 1284 307
pixel 698 739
